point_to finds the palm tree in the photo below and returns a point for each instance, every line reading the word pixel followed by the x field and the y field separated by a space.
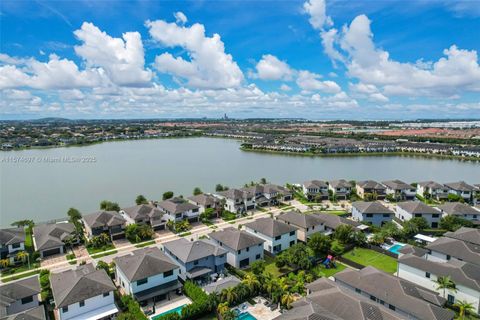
pixel 229 295
pixel 287 299
pixel 464 308
pixel 23 255
pixel 4 263
pixel 251 282
pixel 444 283
pixel 223 308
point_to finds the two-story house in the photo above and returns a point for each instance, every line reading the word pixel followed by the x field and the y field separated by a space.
pixel 242 247
pixel 178 209
pixel 198 260
pixel 268 194
pixel 461 210
pixel 399 190
pixel 83 293
pixel 12 240
pixel 315 189
pixel 144 214
pixel 331 222
pixel 204 201
pixel 21 300
pixel 341 189
pixel 375 190
pixel 49 239
pixel 372 212
pixel 148 274
pixel 416 209
pixel 432 189
pixel 278 235
pixel 109 222
pixel 461 189
pixel 236 200
pixel 405 298
pixel 306 224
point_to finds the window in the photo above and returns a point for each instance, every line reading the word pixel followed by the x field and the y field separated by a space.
pixel 451 299
pixel 106 294
pixel 358 290
pixel 195 262
pixel 238 252
pixel 16 245
pixel 27 300
pixel 259 245
pixel 418 215
pixel 142 281
pixel 278 237
pixel 386 215
pixel 292 233
pixel 65 309
pixel 391 307
pixel 373 298
pixel 82 303
pixel 292 243
pixel 248 249
pixel 369 215
pixel 435 215
pixel 427 274
pixel 448 257
pixel 257 256
pixel 435 225
pixel 168 274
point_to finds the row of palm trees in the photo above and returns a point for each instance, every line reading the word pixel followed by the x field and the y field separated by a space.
pixel 445 283
pixel 20 256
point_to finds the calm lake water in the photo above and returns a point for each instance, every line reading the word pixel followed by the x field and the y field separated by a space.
pixel 46 187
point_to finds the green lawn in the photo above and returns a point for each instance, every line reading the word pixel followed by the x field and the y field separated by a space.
pixel 372 258
pixel 28 240
pixel 144 244
pixel 210 316
pixel 321 271
pixel 92 250
pixel 99 255
pixel 271 268
pixel 16 277
pixel 336 212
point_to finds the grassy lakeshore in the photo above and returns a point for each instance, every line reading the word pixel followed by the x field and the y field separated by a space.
pixel 363 154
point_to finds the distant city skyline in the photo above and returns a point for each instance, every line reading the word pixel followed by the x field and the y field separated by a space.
pixel 314 59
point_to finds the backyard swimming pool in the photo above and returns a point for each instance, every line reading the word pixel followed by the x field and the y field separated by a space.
pixel 396 247
pixel 245 316
pixel 174 310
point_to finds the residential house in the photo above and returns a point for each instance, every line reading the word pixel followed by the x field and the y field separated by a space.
pixel 148 274
pixel 461 189
pixel 341 189
pixel 21 299
pixel 109 222
pixel 83 293
pixel 221 284
pixel 375 190
pixel 417 209
pixel 50 239
pixel 314 189
pixel 145 214
pixel 198 260
pixel 461 210
pixel 331 222
pixel 432 189
pixel 399 190
pixel 278 235
pixel 268 194
pixel 204 201
pixel 12 241
pixel 405 298
pixel 327 300
pixel 237 200
pixel 455 255
pixel 371 212
pixel 178 209
pixel 306 224
pixel 243 248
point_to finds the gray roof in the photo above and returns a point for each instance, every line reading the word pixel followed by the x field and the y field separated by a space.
pixel 370 184
pixel 37 313
pixel 12 236
pixel 203 199
pixel 371 207
pixel 457 208
pixel 176 205
pixel 405 295
pixel 236 239
pixel 471 235
pixel 144 263
pixel 342 183
pixel 143 211
pixel 104 219
pixel 315 184
pixel 301 220
pixel 431 184
pixel 414 207
pixel 333 221
pixel 188 251
pixel 49 236
pixel 332 302
pixel 464 273
pixel 236 194
pixel 459 249
pixel 396 184
pixel 270 227
pixel 416 251
pixel 221 284
pixel 79 284
pixel 13 291
pixel 460 186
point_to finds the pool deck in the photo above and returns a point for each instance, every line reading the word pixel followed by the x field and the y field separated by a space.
pixel 169 305
pixel 260 311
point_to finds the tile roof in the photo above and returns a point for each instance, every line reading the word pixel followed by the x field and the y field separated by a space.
pixel 396 184
pixel 49 236
pixel 236 239
pixel 13 291
pixel 143 211
pixel 315 184
pixel 371 184
pixel 374 207
pixel 457 208
pixel 221 284
pixel 416 251
pixel 471 235
pixel 12 236
pixel 37 313
pixel 144 263
pixel 333 221
pixel 414 207
pixel 431 184
pixel 104 219
pixel 270 227
pixel 342 183
pixel 79 284
pixel 460 186
pixel 176 205
pixel 459 249
pixel 188 251
pixel 301 220
pixel 203 199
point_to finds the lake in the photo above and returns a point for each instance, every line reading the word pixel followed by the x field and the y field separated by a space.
pixel 41 184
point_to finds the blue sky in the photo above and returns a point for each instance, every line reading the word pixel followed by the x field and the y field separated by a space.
pixel 311 59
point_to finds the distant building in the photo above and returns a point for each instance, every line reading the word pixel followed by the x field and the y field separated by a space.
pixel 372 212
pixel 12 241
pixel 340 188
pixel 49 239
pixel 178 209
pixel 461 189
pixel 416 209
pixel 145 214
pixel 377 190
pixel 278 235
pixel 109 222
pixel 399 190
pixel 306 224
pixel 434 189
pixel 460 210
pixel 313 188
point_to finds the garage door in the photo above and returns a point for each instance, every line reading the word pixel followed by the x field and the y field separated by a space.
pixel 51 252
pixel 160 227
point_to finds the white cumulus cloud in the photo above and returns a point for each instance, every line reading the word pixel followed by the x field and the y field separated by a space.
pixel 309 81
pixel 271 68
